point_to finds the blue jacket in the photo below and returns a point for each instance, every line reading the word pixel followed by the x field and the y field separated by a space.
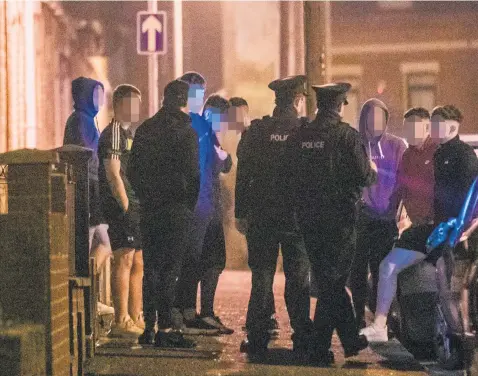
pixel 210 164
pixel 81 128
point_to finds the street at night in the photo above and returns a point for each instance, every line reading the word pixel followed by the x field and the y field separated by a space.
pixel 236 187
pixel 220 356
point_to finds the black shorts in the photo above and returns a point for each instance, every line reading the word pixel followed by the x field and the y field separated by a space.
pixel 124 230
pixel 415 238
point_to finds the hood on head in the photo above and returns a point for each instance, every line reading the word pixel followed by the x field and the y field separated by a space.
pixel 367 106
pixel 82 91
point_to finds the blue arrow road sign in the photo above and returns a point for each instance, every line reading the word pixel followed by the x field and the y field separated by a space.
pixel 151 33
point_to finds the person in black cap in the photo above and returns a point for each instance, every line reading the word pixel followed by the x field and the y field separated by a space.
pixel 164 172
pixel 263 213
pixel 328 168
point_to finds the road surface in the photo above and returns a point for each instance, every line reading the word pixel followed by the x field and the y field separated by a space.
pixel 220 356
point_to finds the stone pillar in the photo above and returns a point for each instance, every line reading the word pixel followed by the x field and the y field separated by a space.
pixel 291 38
pixel 314 36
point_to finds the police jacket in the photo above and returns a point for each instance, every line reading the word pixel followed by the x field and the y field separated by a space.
pixel 328 169
pixel 456 166
pixel 164 163
pixel 261 194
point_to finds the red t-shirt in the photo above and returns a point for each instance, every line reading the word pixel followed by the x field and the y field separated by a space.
pixel 415 182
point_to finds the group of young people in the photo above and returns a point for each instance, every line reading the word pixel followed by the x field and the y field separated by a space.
pixel 117 219
pixel 155 196
pixel 430 178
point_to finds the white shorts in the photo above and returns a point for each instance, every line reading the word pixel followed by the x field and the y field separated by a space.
pixel 99 236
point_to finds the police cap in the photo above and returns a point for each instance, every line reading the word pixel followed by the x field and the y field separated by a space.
pixel 334 93
pixel 291 84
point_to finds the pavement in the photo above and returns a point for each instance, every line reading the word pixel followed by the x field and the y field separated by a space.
pixel 220 356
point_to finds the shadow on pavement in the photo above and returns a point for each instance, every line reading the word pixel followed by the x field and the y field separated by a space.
pixel 396 357
pixel 117 347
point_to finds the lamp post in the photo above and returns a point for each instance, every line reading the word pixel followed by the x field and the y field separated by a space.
pixel 153 70
pixel 318 40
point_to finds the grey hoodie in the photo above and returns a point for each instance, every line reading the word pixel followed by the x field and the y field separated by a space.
pixel 386 151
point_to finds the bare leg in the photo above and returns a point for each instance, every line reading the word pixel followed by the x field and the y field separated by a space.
pixel 136 286
pixel 100 247
pixel 101 253
pixel 123 263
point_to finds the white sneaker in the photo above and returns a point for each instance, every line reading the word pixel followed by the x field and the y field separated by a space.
pixel 103 309
pixel 139 321
pixel 375 334
pixel 125 329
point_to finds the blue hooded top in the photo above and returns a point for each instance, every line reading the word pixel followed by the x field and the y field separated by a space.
pixel 81 128
pixel 210 164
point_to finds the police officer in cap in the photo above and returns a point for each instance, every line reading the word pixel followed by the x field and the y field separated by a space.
pixel 263 213
pixel 327 172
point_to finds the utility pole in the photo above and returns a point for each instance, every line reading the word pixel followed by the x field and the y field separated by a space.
pixel 317 37
pixel 153 70
pixel 178 38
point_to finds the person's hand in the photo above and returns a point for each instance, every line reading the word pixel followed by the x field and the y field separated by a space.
pixel 221 153
pixel 373 165
pixel 241 225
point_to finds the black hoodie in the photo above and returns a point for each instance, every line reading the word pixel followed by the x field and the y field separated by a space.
pixel 81 128
pixel 164 163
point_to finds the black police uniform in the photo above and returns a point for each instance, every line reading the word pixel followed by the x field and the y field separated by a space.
pixel 164 172
pixel 262 200
pixel 328 169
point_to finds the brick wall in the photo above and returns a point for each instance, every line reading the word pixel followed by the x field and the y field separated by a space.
pixel 440 32
pixel 34 250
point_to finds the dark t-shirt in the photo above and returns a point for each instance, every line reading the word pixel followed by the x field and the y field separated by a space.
pixel 115 143
pixel 456 166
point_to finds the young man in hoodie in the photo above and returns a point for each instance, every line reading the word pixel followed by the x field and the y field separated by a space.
pixel 415 189
pixel 376 228
pixel 206 255
pixel 121 210
pixel 82 130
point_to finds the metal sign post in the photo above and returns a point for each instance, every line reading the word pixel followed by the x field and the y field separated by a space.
pixel 152 41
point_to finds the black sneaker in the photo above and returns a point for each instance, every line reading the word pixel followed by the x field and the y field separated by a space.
pixel 256 348
pixel 173 340
pixel 199 326
pixel 360 344
pixel 147 338
pixel 214 322
pixel 322 359
pixel 273 327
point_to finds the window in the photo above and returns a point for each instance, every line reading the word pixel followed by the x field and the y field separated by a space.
pixel 420 84
pixel 395 5
pixel 421 90
pixel 353 75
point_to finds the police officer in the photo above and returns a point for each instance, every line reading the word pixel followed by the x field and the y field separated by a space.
pixel 263 208
pixel 328 169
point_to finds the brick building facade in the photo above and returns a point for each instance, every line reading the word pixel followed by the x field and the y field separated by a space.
pixel 408 54
pixel 41 51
